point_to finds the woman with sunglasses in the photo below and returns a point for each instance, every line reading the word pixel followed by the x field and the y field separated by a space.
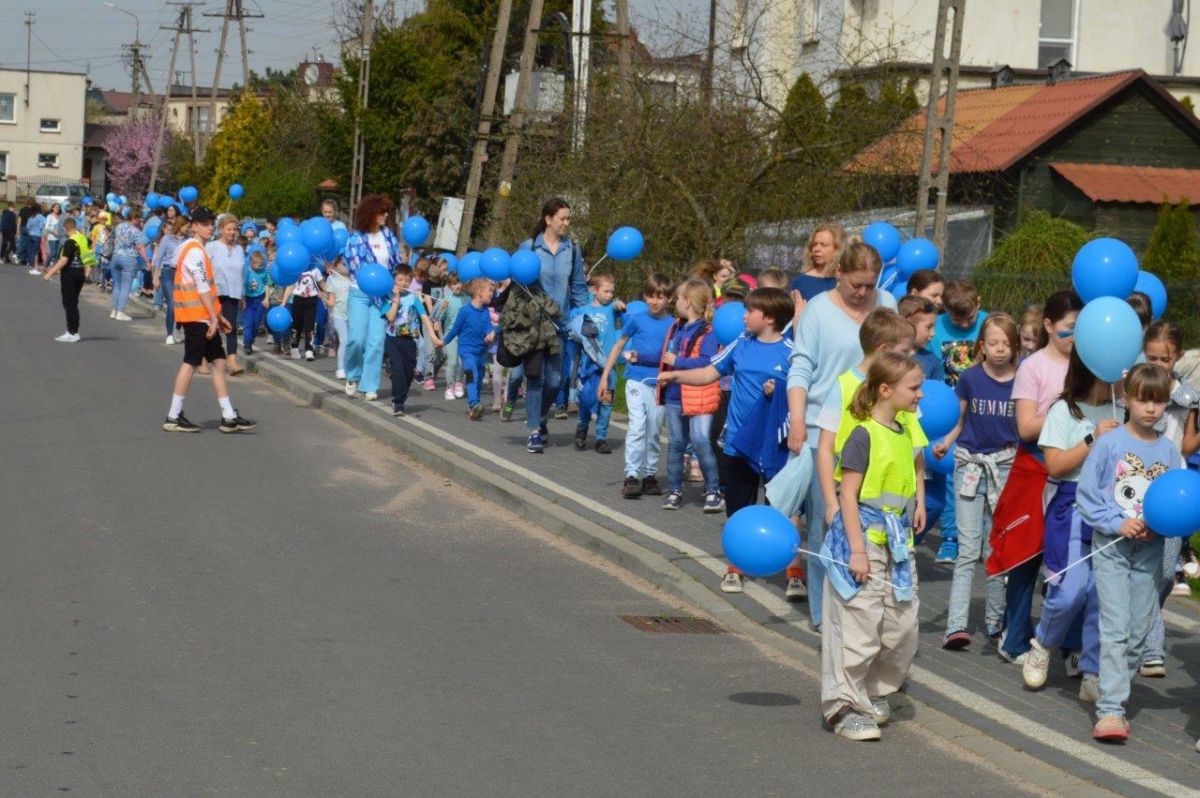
pixel 1017 524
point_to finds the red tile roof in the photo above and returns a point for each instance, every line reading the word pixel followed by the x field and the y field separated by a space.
pixel 995 128
pixel 1144 184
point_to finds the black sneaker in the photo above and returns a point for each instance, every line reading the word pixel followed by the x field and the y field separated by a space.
pixel 632 489
pixel 544 430
pixel 650 487
pixel 602 447
pixel 398 412
pixel 237 424
pixel 247 350
pixel 580 439
pixel 536 445
pixel 179 424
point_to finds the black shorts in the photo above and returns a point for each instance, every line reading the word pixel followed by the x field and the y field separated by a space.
pixel 197 348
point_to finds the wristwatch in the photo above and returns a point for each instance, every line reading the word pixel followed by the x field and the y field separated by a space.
pixel 1089 439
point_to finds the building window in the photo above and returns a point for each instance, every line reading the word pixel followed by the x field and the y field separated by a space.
pixel 47 160
pixel 8 108
pixel 1056 37
pixel 810 25
pixel 3 165
pixel 51 126
pixel 198 118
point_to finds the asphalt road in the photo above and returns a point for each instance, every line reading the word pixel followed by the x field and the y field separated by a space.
pixel 299 611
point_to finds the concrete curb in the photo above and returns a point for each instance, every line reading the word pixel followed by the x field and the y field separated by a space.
pixel 653 568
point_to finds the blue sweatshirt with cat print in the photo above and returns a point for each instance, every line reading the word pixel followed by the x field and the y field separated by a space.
pixel 1115 476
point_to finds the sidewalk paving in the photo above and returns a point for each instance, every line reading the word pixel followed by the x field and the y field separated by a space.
pixel 573 491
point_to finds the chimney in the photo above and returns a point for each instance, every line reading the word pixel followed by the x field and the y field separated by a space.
pixel 1002 76
pixel 1059 70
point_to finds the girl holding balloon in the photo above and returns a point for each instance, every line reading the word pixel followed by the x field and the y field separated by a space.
pixel 1114 495
pixel 869 636
pixel 371 243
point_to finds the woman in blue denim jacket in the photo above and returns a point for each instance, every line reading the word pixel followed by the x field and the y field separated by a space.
pixel 371 242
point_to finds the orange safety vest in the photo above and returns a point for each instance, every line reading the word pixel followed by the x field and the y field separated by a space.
pixel 188 306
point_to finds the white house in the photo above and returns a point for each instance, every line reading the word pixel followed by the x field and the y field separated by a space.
pixel 41 125
pixel 834 39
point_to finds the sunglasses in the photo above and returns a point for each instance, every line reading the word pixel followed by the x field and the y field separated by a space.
pixel 926 307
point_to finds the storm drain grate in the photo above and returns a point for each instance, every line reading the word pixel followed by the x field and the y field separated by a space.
pixel 661 623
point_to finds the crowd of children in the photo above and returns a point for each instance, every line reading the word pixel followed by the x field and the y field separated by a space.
pixel 829 367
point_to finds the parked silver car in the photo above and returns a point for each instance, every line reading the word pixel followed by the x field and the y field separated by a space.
pixel 65 194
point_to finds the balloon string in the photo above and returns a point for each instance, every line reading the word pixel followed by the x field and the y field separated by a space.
pixel 1054 576
pixel 839 562
pixel 1112 390
pixel 597 263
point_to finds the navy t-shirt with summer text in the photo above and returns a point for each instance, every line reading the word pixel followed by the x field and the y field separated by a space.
pixel 991 421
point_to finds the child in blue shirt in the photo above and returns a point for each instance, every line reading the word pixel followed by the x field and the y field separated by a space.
pixel 757 362
pixel 1127 555
pixel 474 330
pixel 645 334
pixel 406 317
pixel 254 297
pixel 922 314
pixel 595 330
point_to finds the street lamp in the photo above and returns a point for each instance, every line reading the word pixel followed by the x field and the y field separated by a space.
pixel 137 23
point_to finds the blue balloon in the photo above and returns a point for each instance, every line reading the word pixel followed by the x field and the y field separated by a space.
pixel 293 258
pixel 888 278
pixel 332 251
pixel 121 199
pixel 340 236
pixel 125 211
pixel 415 230
pixel 285 221
pixel 279 319
pixel 374 280
pixel 884 237
pixel 1172 504
pixel 900 289
pixel 189 194
pixel 152 228
pixel 110 197
pixel 113 207
pixel 729 322
pixel 1108 337
pixel 760 540
pixel 450 261
pixel 316 234
pixel 938 409
pixel 151 200
pixel 625 243
pixel 1104 267
pixel 525 266
pixel 277 275
pixel 1149 284
pixel 236 191
pixel 469 267
pixel 165 201
pixel 916 254
pixel 86 200
pixel 495 264
pixel 288 234
pixel 940 465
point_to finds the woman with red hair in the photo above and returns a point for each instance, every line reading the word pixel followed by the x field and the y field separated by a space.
pixel 371 242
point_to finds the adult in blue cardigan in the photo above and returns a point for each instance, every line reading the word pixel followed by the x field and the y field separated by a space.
pixel 826 347
pixel 371 241
pixel 564 280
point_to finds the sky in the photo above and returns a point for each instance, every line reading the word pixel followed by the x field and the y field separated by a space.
pixel 87 36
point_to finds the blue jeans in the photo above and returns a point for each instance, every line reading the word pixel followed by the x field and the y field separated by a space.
pixel 1127 581
pixel 541 390
pixel 1074 596
pixel 364 350
pixel 516 375
pixel 1018 606
pixel 54 247
pixel 167 287
pixel 645 423
pixel 594 404
pixel 473 364
pixel 253 316
pixel 975 525
pixel 123 268
pixel 682 430
pixel 29 249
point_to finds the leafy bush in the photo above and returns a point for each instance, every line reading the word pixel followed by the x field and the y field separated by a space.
pixel 1030 263
pixel 1174 254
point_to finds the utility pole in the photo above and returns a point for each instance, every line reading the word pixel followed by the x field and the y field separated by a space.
pixel 581 31
pixel 625 45
pixel 183 25
pixel 706 82
pixel 194 108
pixel 364 93
pixel 483 128
pixel 523 106
pixel 939 126
pixel 29 15
pixel 135 51
pixel 233 10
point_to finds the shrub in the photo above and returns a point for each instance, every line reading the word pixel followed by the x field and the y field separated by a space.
pixel 1030 263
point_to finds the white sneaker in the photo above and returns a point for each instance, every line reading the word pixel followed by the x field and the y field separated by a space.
pixel 795 589
pixel 449 394
pixel 112 314
pixel 340 374
pixel 1181 589
pixel 308 355
pixel 170 340
pixel 731 583
pixel 34 271
pixel 370 396
pixel 351 388
pixel 1089 688
pixel 123 316
pixel 1036 666
pixel 295 353
pixel 67 338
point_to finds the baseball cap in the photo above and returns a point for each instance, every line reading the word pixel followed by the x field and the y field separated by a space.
pixel 202 215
